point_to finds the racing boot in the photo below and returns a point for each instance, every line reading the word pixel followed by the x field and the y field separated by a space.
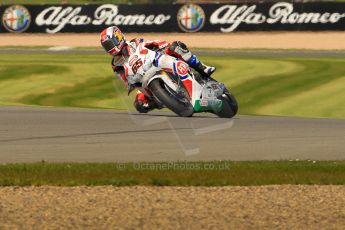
pixel 204 70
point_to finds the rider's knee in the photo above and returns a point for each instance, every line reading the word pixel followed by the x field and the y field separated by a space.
pixel 178 44
pixel 139 106
pixel 141 103
pixel 180 49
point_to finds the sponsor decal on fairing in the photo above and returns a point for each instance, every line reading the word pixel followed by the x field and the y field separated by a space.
pixel 181 69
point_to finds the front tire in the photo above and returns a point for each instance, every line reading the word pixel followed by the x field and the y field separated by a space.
pixel 229 106
pixel 179 105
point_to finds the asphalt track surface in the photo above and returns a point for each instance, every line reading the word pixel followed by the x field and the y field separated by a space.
pixel 32 134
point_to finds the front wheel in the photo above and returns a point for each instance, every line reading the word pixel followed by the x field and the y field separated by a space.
pixel 229 105
pixel 171 99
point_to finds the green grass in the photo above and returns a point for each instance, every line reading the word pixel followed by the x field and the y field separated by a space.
pixel 301 86
pixel 217 173
pixel 60 80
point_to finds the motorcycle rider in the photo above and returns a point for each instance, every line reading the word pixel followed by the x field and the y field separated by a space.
pixel 114 43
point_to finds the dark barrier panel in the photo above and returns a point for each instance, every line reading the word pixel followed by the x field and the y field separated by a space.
pixel 281 16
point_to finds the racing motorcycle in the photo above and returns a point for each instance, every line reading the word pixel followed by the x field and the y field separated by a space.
pixel 185 94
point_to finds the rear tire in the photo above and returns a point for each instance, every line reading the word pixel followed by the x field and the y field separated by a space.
pixel 229 107
pixel 179 105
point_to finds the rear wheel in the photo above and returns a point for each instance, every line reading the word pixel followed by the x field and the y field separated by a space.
pixel 171 99
pixel 229 106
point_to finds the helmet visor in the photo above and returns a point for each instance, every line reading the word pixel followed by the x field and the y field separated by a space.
pixel 110 44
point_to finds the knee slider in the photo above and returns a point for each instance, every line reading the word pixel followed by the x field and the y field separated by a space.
pixel 139 105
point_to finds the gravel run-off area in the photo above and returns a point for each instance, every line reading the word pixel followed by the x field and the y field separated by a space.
pixel 252 40
pixel 107 207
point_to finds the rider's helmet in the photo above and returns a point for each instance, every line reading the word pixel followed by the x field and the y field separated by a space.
pixel 113 40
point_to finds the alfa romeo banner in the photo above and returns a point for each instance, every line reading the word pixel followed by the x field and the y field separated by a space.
pixel 279 16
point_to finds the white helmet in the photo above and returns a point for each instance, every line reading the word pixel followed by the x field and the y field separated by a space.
pixel 113 40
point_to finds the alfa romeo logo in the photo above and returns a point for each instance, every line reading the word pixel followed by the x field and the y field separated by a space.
pixel 16 19
pixel 191 18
